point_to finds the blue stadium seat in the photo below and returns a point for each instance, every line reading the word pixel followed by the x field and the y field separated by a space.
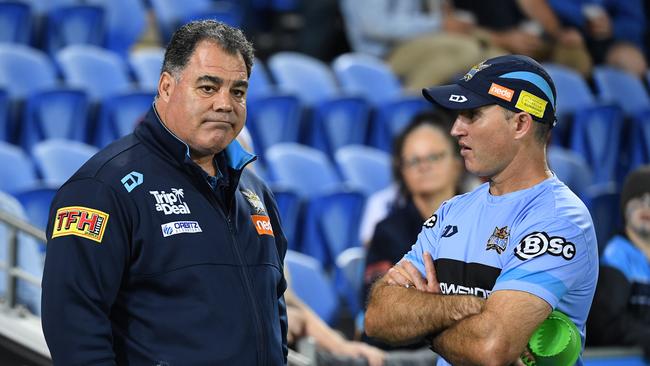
pixel 639 140
pixel 5 122
pixel 309 282
pixel 146 63
pixel 364 168
pixel 73 24
pixel 366 76
pixel 40 7
pixel 602 200
pixel 259 83
pixel 170 14
pixel 570 168
pixel 596 136
pixel 573 94
pixel 307 77
pixel 55 114
pixel 19 172
pixel 335 120
pixel 350 266
pixel 331 225
pixel 57 160
pixel 119 115
pixel 15 22
pixel 101 73
pixel 289 205
pixel 125 23
pixel 369 77
pixel 272 120
pixel 24 70
pixel 302 169
pixel 224 11
pixel 621 88
pixel 29 258
pixel 36 202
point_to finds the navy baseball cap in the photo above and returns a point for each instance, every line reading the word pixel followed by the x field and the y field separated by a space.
pixel 515 82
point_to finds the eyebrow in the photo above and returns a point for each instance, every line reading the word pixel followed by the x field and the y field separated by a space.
pixel 220 81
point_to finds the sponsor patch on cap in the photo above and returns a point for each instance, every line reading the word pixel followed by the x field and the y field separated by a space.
pixel 501 92
pixel 262 225
pixel 80 221
pixel 532 104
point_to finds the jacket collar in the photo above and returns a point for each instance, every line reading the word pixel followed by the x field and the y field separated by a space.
pixel 155 134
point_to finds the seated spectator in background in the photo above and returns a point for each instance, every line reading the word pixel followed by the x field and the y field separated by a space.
pixel 604 23
pixel 627 57
pixel 303 322
pixel 528 27
pixel 620 314
pixel 428 171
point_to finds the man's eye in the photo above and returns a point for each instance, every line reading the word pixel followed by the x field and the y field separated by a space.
pixel 206 88
pixel 238 93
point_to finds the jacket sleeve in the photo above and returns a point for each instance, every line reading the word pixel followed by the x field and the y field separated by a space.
pixel 610 321
pixel 87 255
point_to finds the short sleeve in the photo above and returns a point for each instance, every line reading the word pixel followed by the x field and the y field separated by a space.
pixel 427 239
pixel 546 259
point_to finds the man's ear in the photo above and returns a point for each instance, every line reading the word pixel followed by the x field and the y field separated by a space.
pixel 523 124
pixel 166 85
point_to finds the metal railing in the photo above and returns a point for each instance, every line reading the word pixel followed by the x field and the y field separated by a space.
pixel 16 225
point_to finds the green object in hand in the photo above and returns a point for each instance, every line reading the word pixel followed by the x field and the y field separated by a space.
pixel 556 342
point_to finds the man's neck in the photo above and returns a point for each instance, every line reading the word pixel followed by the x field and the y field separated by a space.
pixel 523 172
pixel 206 163
pixel 640 242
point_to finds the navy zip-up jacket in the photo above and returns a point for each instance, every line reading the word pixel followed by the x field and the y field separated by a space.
pixel 151 262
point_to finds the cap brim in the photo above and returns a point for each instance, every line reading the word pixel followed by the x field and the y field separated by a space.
pixel 455 96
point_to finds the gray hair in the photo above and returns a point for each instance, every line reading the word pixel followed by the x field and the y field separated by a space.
pixel 184 41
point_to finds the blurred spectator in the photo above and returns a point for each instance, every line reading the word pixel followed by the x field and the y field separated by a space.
pixel 620 314
pixel 303 322
pixel 428 171
pixel 627 57
pixel 604 22
pixel 529 27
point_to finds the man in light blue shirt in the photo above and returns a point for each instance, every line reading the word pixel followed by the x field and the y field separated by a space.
pixel 492 264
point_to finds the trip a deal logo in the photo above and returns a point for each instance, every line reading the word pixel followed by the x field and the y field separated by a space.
pixel 80 221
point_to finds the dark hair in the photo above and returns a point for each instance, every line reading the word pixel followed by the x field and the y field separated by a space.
pixel 184 41
pixel 439 120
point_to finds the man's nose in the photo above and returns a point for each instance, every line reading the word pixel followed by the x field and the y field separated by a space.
pixel 222 101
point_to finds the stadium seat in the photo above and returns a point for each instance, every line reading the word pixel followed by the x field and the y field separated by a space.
pixel 125 22
pixel 289 205
pixel 146 63
pixel 15 22
pixel 639 140
pixel 272 120
pixel 55 114
pixel 621 88
pixel 72 25
pixel 40 7
pixel 36 202
pixel 596 136
pixel 170 14
pixel 19 172
pixel 334 120
pixel 364 168
pixel 573 94
pixel 309 282
pixel 307 77
pixel 350 265
pixel 29 258
pixel 305 170
pixel 331 225
pixel 259 83
pixel 101 73
pixel 224 11
pixel 57 160
pixel 369 77
pixel 366 76
pixel 602 200
pixel 570 168
pixel 5 121
pixel 24 70
pixel 119 115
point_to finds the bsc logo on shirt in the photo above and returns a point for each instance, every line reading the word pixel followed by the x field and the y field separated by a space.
pixel 431 221
pixel 538 243
pixel 80 221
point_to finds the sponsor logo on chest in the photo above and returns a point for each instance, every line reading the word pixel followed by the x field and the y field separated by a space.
pixel 180 227
pixel 171 203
